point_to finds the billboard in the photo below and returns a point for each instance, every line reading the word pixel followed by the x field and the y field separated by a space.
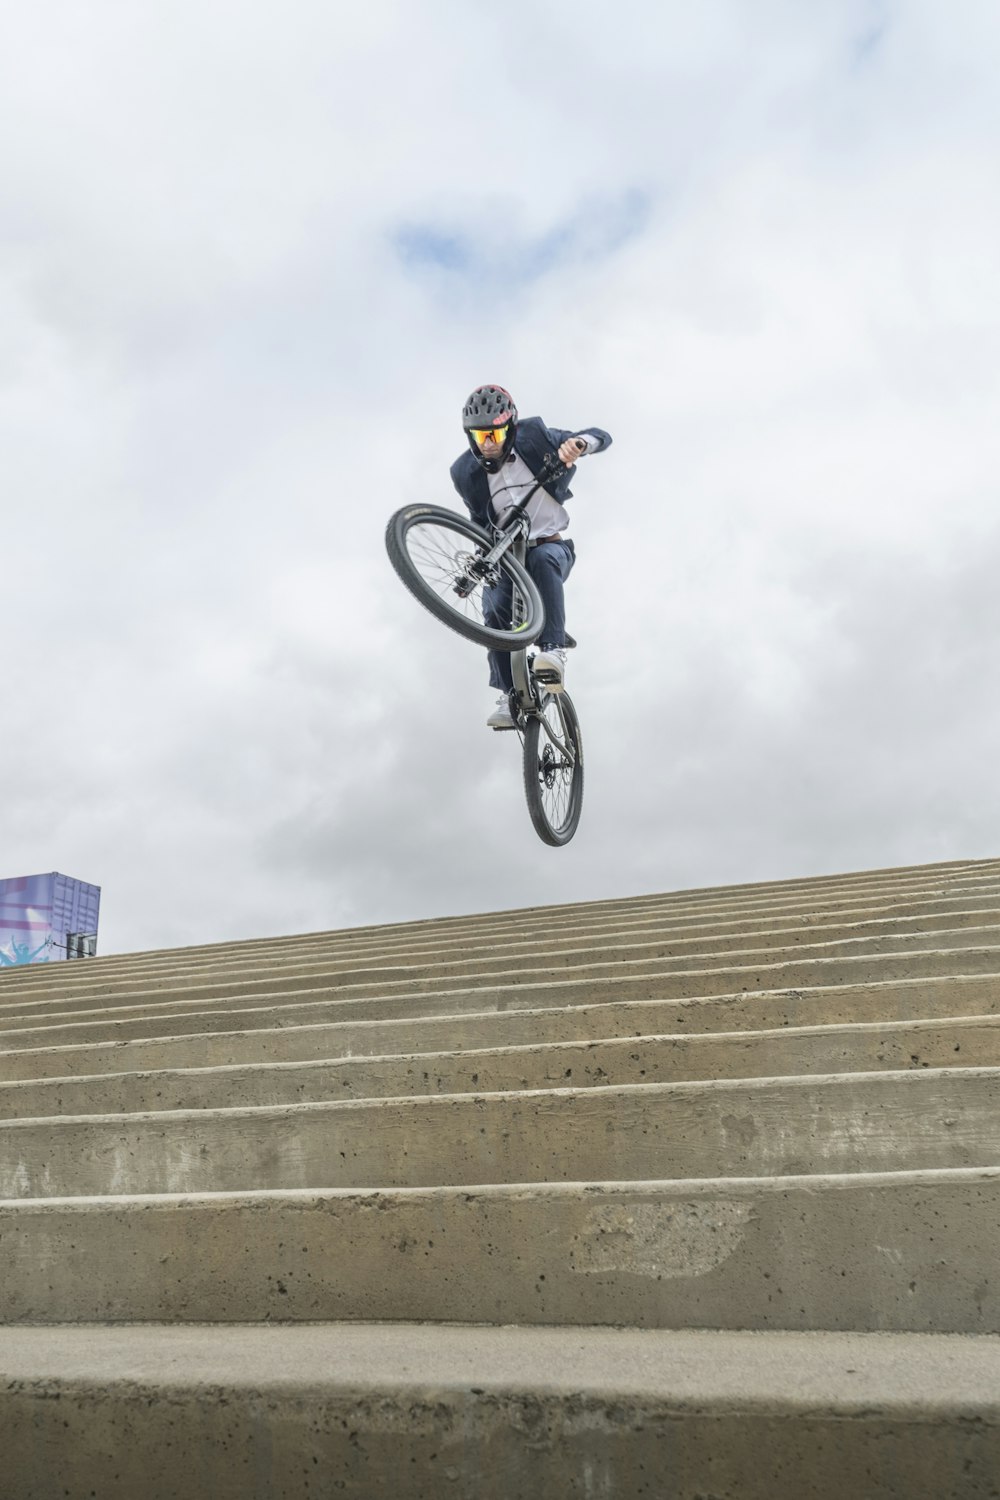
pixel 45 918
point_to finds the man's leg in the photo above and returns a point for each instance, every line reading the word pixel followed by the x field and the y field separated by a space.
pixel 497 605
pixel 550 565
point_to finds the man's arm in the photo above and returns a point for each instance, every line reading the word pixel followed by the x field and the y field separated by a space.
pixel 463 477
pixel 573 445
pixel 456 479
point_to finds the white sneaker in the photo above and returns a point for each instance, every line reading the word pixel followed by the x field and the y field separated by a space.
pixel 501 717
pixel 549 667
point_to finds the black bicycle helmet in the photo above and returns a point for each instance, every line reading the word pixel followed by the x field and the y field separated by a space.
pixel 490 406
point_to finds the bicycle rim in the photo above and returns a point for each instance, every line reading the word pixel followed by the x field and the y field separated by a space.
pixel 553 769
pixel 438 555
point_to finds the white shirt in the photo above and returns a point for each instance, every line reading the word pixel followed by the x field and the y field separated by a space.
pixel 511 484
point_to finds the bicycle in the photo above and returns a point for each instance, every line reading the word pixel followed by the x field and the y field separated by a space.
pixel 447 562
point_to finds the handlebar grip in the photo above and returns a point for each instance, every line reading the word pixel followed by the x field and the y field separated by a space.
pixel 553 463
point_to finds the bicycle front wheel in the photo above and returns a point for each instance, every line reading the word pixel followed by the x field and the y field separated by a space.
pixel 553 769
pixel 440 558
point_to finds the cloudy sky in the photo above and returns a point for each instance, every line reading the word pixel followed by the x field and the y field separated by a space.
pixel 254 255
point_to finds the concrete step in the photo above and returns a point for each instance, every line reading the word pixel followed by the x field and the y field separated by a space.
pixel 412 1031
pixel 604 961
pixel 100 988
pixel 636 981
pixel 789 1051
pixel 810 899
pixel 721 1117
pixel 251 1413
pixel 873 1122
pixel 904 1251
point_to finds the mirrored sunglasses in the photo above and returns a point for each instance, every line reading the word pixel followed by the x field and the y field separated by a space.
pixel 498 434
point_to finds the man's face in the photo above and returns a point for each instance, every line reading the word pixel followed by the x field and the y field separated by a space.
pixel 490 440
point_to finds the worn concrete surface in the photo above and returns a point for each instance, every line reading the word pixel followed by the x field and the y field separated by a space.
pixel 581 955
pixel 960 997
pixel 906 1251
pixel 875 1122
pixel 317 997
pixel 250 1412
pixel 768 1107
pixel 957 997
pixel 795 1051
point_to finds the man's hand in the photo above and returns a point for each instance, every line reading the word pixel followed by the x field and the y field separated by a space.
pixel 572 449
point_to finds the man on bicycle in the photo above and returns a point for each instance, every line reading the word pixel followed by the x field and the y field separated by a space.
pixel 504 460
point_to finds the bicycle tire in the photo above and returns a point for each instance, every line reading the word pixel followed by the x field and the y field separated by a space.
pixel 426 539
pixel 553 785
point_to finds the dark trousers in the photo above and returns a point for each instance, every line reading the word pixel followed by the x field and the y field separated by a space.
pixel 549 564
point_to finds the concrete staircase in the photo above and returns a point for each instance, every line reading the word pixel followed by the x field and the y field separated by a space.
pixel 694 1195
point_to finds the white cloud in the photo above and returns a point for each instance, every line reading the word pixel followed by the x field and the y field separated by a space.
pixel 252 259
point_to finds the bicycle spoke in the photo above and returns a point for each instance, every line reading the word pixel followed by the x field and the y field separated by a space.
pixel 441 558
pixel 555 765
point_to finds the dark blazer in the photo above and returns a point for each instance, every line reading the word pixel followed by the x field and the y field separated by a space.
pixel 534 442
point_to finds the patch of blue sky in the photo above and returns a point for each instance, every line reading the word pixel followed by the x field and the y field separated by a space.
pixel 419 245
pixel 595 231
pixel 867 41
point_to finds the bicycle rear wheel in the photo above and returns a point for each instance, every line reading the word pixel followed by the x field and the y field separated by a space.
pixel 553 769
pixel 439 557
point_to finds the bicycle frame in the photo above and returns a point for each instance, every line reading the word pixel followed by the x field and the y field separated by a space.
pixel 527 693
